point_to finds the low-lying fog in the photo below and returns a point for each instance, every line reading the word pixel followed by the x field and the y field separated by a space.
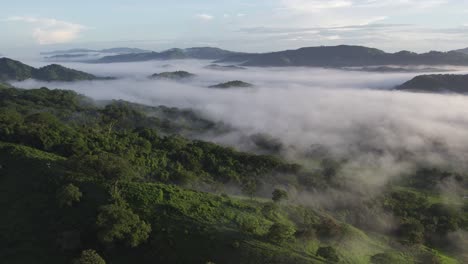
pixel 353 114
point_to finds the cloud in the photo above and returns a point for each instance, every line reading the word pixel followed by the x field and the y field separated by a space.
pixel 205 17
pixel 314 5
pixel 51 31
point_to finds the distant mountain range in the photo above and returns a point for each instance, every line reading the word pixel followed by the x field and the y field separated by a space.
pixel 203 53
pixel 12 70
pixel 346 56
pixel 323 56
pixel 437 83
pixel 122 50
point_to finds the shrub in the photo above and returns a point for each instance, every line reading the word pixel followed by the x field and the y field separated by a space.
pixel 89 256
pixel 248 224
pixel 118 223
pixel 279 195
pixel 328 253
pixel 280 232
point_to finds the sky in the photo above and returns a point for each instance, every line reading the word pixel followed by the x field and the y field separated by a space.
pixel 255 25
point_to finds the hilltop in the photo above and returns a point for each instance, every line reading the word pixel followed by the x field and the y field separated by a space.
pixel 232 84
pixel 176 75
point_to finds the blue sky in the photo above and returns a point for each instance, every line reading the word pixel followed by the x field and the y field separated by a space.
pixel 255 25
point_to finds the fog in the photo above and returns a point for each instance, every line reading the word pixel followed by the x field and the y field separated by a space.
pixel 356 116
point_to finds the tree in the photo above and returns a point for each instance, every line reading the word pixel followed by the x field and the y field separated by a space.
pixel 248 224
pixel 117 223
pixel 89 256
pixel 280 232
pixel 411 231
pixel 279 195
pixel 328 253
pixel 250 188
pixel 68 194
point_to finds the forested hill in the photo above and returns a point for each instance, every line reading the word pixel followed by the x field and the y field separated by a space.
pixel 437 83
pixel 11 70
pixel 85 183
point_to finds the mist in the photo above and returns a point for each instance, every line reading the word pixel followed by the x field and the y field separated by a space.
pixel 355 116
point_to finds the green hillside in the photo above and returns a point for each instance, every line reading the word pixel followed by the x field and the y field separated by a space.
pixel 124 182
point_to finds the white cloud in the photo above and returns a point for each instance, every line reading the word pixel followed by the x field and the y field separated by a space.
pixel 205 17
pixel 51 31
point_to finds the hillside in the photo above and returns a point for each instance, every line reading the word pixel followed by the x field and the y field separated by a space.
pixel 121 182
pixel 11 70
pixel 437 83
pixel 346 56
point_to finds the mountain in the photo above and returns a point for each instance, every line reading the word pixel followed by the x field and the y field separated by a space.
pixel 119 50
pixel 232 84
pixel 346 56
pixel 177 75
pixel 224 67
pixel 123 50
pixel 437 83
pixel 69 51
pixel 14 70
pixel 55 72
pixel 203 53
pixel 208 53
pixel 11 70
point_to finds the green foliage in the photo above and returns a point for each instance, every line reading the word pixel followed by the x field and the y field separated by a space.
pixel 68 194
pixel 117 223
pixel 89 256
pixel 328 253
pixel 103 165
pixel 281 232
pixel 248 224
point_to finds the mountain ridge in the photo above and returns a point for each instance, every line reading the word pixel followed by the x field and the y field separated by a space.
pixel 12 70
